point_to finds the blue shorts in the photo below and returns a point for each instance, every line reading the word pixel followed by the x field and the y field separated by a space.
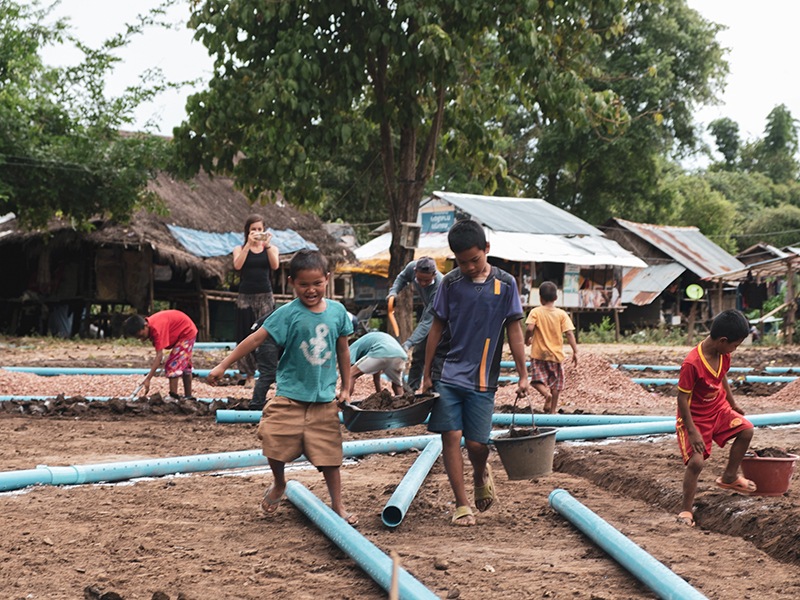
pixel 462 409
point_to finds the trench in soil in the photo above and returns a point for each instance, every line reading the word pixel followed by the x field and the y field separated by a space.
pixel 766 525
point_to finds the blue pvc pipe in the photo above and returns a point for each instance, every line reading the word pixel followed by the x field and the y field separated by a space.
pixel 661 580
pixel 120 471
pixel 93 399
pixel 674 368
pixel 51 371
pixel 770 378
pixel 214 345
pixel 245 416
pixel 659 427
pixel 500 419
pixel 510 364
pixel 782 369
pixel 655 380
pixel 559 420
pixel 747 378
pixel 395 510
pixel 369 557
pixel 593 432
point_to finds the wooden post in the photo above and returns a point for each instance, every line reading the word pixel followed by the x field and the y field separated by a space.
pixel 788 335
pixel 690 326
pixel 616 325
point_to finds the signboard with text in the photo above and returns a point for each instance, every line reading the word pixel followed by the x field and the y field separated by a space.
pixel 437 222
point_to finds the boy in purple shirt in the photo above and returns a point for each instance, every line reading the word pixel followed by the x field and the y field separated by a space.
pixel 475 304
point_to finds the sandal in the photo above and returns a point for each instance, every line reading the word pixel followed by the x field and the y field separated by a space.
pixel 484 494
pixel 463 517
pixel 270 506
pixel 740 485
pixel 686 517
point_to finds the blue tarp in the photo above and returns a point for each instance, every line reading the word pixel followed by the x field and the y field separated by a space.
pixel 207 244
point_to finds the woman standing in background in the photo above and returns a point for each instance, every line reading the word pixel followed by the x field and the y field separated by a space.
pixel 255 261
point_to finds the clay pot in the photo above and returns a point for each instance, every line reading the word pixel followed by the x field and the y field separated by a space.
pixel 771 474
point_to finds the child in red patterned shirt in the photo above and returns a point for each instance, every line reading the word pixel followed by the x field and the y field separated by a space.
pixel 707 411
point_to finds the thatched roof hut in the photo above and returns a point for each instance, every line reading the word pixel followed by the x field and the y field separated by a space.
pixel 141 263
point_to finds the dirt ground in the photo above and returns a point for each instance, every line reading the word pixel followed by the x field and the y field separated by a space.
pixel 202 536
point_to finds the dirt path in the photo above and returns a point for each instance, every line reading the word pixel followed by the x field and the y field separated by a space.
pixel 201 536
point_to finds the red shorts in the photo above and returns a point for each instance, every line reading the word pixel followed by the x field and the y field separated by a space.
pixel 549 373
pixel 719 428
pixel 179 360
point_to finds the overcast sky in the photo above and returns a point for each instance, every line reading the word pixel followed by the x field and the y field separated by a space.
pixel 759 38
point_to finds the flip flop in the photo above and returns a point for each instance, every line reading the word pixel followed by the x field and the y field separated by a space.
pixel 270 506
pixel 484 494
pixel 351 519
pixel 686 517
pixel 741 485
pixel 463 517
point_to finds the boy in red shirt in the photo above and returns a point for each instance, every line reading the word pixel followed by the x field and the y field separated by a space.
pixel 707 410
pixel 171 329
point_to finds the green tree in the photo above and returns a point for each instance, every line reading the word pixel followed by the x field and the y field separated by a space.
pixel 775 154
pixel 695 203
pixel 665 63
pixel 779 226
pixel 61 150
pixel 298 84
pixel 726 135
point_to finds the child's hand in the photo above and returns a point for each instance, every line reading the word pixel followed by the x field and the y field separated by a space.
pixel 696 441
pixel 427 384
pixel 574 359
pixel 735 407
pixel 215 375
pixel 343 397
pixel 523 387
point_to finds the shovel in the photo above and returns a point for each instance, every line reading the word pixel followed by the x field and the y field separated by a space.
pixel 136 391
pixel 140 386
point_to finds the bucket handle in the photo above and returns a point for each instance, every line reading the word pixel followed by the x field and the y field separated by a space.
pixel 514 413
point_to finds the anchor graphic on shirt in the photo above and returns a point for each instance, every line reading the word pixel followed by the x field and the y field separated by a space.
pixel 319 353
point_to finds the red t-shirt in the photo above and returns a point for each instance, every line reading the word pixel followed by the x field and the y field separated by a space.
pixel 703 383
pixel 168 327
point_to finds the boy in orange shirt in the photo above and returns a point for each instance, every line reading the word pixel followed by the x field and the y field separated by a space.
pixel 707 411
pixel 545 327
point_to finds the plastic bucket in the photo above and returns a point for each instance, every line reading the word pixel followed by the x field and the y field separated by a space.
pixel 771 474
pixel 527 456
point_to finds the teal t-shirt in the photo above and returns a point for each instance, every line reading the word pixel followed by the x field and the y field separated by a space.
pixel 376 344
pixel 307 370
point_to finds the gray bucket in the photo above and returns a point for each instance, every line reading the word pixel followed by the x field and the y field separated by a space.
pixel 527 456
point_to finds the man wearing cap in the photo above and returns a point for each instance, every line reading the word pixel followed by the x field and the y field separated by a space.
pixel 426 279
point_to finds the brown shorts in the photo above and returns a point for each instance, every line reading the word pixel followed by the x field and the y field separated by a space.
pixel 289 429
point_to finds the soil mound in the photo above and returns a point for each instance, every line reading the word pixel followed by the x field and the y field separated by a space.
pixel 384 400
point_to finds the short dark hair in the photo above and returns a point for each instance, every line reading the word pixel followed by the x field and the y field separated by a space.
pixel 133 325
pixel 548 291
pixel 307 260
pixel 466 234
pixel 730 324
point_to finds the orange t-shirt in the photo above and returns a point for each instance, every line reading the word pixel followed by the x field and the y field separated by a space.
pixel 548 336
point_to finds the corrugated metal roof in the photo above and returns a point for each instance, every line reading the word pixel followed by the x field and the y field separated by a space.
pixel 525 215
pixel 774 267
pixel 686 245
pixel 642 286
pixel 513 246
